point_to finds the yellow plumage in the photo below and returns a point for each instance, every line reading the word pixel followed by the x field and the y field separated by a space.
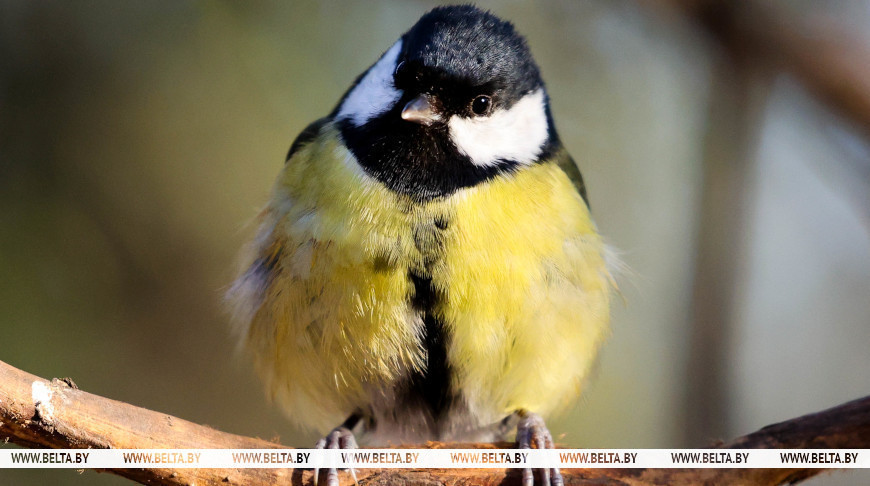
pixel 324 303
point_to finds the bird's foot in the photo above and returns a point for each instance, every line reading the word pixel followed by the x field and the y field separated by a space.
pixel 532 432
pixel 340 438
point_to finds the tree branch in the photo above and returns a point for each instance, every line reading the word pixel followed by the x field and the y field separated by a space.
pixel 73 419
pixel 59 415
pixel 823 54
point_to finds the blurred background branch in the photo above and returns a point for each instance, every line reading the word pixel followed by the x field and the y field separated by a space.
pixel 828 58
pixel 753 42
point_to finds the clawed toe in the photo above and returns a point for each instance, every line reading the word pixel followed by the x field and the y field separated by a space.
pixel 532 432
pixel 339 438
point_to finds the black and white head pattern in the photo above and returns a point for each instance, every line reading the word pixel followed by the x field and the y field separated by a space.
pixel 477 105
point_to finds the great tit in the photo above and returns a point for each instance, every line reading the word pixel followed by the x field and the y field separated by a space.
pixel 426 267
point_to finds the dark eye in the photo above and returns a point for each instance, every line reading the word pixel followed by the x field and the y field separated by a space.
pixel 481 105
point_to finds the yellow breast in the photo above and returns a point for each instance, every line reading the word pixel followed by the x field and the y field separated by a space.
pixel 325 303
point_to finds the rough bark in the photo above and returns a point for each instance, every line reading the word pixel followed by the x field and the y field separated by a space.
pixel 68 418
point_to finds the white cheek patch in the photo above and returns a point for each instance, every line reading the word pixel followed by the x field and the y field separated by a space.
pixel 516 134
pixel 375 93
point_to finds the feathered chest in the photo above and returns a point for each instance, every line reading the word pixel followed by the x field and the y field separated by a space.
pixel 432 300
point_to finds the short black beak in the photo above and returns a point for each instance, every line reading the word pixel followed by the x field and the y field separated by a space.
pixel 420 110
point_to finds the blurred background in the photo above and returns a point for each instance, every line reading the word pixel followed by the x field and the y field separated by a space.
pixel 724 146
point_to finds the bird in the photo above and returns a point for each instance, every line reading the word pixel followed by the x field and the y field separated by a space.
pixel 426 267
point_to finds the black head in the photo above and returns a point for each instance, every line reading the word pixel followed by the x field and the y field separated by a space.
pixel 461 51
pixel 456 101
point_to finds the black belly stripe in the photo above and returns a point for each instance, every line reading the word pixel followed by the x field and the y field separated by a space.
pixel 431 385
